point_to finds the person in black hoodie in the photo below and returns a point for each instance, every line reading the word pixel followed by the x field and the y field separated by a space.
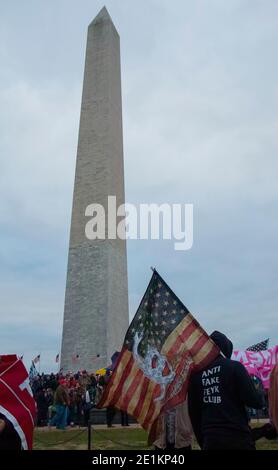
pixel 217 399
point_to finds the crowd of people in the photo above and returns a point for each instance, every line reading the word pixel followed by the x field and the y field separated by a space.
pixel 67 400
pixel 215 409
pixel 219 417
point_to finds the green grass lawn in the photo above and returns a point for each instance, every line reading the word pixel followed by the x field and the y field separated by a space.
pixel 107 439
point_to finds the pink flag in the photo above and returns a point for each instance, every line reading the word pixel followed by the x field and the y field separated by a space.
pixel 258 363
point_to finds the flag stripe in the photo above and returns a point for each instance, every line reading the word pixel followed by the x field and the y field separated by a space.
pixel 118 386
pixel 190 342
pixel 143 392
pixel 185 339
pixel 129 381
pixel 206 354
pixel 109 391
pixel 136 395
pixel 197 346
pixel 132 385
pixel 149 396
pixel 152 407
pixel 178 336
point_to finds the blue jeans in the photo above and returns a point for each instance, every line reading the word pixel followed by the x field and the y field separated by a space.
pixel 60 418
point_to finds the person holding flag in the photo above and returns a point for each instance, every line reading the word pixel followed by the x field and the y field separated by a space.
pixel 218 397
pixel 162 347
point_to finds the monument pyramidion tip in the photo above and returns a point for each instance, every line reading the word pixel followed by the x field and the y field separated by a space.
pixel 103 15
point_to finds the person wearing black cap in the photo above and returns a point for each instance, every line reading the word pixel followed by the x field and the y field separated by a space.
pixel 217 399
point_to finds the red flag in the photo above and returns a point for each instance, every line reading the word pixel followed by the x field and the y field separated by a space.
pixel 16 400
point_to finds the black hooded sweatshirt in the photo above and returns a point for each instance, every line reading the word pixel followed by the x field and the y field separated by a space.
pixel 217 399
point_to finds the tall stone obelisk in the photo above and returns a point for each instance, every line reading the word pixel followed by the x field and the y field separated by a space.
pixel 96 300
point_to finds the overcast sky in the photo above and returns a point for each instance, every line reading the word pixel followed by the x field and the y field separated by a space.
pixel 200 103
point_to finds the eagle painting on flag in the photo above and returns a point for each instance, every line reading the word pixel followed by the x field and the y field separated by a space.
pixel 163 345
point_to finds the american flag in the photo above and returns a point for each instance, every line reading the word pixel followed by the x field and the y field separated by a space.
pixel 37 359
pixel 163 345
pixel 33 371
pixel 262 346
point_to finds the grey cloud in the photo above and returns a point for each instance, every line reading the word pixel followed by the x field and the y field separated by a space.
pixel 200 123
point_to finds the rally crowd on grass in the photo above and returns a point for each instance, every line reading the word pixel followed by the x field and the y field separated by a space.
pixel 213 410
pixel 81 392
pixel 67 400
pixel 188 388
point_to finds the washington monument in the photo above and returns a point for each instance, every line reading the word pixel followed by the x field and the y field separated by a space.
pixel 96 300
